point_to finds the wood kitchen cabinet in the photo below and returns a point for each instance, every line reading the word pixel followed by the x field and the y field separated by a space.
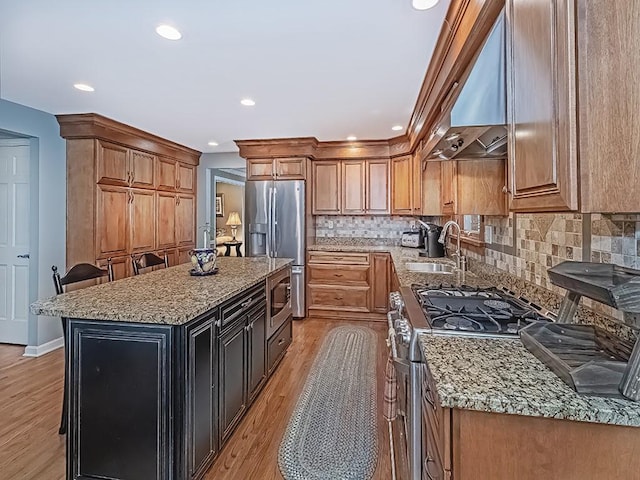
pixel 285 168
pixel 124 200
pixel 365 187
pixel 353 282
pixel 402 185
pixel 431 191
pixel 448 190
pixel 327 181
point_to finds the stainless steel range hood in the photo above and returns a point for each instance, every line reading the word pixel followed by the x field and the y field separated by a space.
pixel 475 127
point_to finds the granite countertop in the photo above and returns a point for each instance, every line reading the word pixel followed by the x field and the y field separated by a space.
pixel 168 296
pixel 502 376
pixel 403 255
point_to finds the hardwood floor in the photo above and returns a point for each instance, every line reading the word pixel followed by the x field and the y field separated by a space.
pixel 31 398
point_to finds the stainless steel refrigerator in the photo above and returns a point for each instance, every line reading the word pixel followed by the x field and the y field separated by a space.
pixel 275 220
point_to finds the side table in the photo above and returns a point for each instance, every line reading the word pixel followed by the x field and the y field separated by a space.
pixel 228 245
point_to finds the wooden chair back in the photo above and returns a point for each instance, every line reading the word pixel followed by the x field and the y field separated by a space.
pixel 148 260
pixel 80 273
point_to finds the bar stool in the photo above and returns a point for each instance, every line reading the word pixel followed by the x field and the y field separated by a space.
pixel 78 273
pixel 148 260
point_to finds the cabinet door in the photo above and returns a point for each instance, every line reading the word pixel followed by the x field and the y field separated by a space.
pixel 142 167
pixel 166 220
pixel 112 164
pixel 166 171
pixel 142 224
pixel 112 221
pixel 401 185
pixel 186 178
pixel 291 168
pixel 185 219
pixel 183 254
pixel 431 195
pixel 121 267
pixel 353 187
pixel 448 189
pixel 202 435
pixel 326 199
pixel 260 169
pixel 541 105
pixel 481 187
pixel 416 191
pixel 232 357
pixel 377 187
pixel 381 282
pixel 257 332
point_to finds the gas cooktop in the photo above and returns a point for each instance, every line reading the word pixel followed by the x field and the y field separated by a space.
pixel 468 310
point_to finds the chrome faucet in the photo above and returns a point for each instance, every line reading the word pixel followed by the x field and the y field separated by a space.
pixel 461 261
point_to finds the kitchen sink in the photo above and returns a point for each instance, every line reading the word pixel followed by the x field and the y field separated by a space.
pixel 429 267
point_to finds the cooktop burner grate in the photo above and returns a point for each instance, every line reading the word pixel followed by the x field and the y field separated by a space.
pixel 475 311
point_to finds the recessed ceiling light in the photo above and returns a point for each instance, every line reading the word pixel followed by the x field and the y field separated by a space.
pixel 84 87
pixel 247 102
pixel 396 128
pixel 213 144
pixel 424 4
pixel 168 32
pixel 352 138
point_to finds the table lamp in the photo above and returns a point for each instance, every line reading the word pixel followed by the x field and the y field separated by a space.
pixel 234 222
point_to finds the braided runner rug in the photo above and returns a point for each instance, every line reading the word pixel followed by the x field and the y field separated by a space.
pixel 332 433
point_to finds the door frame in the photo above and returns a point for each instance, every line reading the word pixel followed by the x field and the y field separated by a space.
pixel 9 138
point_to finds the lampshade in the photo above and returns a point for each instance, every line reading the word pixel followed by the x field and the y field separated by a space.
pixel 234 219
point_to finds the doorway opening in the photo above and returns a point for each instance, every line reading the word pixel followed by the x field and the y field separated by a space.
pixel 226 211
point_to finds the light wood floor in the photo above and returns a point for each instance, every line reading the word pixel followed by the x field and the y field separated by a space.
pixel 31 397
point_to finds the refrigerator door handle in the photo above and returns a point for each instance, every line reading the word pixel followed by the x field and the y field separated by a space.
pixel 275 221
pixel 269 223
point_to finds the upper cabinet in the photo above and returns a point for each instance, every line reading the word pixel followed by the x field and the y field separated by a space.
pixel 402 185
pixel 572 93
pixel 365 187
pixel 290 168
pixel 541 99
pixel 325 191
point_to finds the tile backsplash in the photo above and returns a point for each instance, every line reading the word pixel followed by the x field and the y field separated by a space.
pixel 541 241
pixel 379 227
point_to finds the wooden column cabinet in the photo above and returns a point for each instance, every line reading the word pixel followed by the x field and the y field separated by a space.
pixel 327 181
pixel 128 192
pixel 402 185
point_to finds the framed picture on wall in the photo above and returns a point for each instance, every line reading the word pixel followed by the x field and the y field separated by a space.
pixel 220 205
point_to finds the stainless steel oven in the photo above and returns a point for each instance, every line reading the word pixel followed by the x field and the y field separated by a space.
pixel 406 430
pixel 278 300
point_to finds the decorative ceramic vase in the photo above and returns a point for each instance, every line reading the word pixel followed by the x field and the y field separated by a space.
pixel 203 259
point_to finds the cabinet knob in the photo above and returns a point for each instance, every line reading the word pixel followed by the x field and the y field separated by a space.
pixel 505 189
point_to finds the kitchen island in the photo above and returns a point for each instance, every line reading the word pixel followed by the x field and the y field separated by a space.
pixel 163 366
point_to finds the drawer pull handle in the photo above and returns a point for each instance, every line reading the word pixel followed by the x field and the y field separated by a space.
pixel 247 303
pixel 427 461
pixel 339 275
pixel 281 341
pixel 429 398
pixel 338 298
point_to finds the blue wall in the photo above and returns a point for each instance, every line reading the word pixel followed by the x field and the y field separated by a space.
pixel 48 205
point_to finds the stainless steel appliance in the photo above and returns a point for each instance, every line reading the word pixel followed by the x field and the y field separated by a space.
pixel 275 218
pixel 412 239
pixel 278 300
pixel 443 310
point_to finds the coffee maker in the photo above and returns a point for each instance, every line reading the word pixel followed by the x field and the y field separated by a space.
pixel 432 248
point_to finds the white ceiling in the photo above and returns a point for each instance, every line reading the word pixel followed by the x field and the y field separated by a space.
pixel 328 68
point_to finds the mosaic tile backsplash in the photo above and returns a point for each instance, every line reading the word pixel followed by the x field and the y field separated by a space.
pixel 544 240
pixel 384 228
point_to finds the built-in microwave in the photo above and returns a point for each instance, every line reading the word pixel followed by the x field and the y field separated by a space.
pixel 278 300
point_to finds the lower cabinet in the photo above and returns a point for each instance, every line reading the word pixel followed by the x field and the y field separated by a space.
pixel 348 282
pixel 257 361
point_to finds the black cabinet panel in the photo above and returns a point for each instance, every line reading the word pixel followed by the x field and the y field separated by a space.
pixel 202 397
pixel 257 323
pixel 278 344
pixel 120 403
pixel 232 373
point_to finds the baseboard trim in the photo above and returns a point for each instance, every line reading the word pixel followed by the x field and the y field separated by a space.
pixel 37 351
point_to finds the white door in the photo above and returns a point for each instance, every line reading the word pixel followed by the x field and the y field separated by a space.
pixel 14 241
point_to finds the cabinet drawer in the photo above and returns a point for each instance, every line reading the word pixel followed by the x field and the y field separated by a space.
pixel 343 258
pixel 436 430
pixel 241 304
pixel 352 299
pixel 335 275
pixel 278 344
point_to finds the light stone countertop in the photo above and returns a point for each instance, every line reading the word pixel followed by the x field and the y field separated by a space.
pixel 167 296
pixel 502 376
